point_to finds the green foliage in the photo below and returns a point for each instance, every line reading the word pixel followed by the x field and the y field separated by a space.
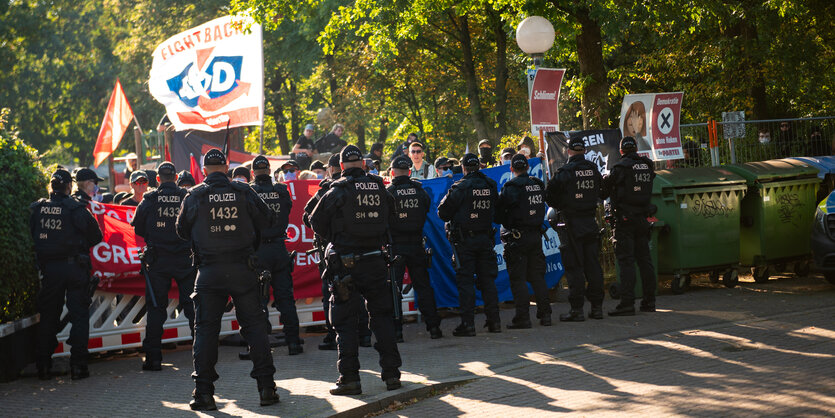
pixel 22 181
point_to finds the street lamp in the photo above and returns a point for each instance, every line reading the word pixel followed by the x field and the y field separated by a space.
pixel 535 35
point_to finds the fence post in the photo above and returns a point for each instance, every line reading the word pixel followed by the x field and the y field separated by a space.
pixel 732 150
pixel 714 146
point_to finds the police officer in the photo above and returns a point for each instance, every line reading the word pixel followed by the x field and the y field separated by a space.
pixel 521 212
pixel 223 219
pixel 575 192
pixel 272 253
pixel 334 172
pixel 354 215
pixel 166 256
pixel 411 204
pixel 468 209
pixel 63 231
pixel 629 186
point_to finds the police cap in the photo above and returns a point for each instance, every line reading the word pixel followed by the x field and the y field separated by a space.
pixel 214 157
pixel 185 178
pixel 87 174
pixel 166 169
pixel 63 176
pixel 260 163
pixel 350 154
pixel 628 143
pixel 519 161
pixel 577 144
pixel 137 175
pixel 333 161
pixel 401 162
pixel 242 171
pixel 470 160
pixel 317 165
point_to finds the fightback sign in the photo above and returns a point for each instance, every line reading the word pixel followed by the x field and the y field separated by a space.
pixel 210 77
pixel 602 148
pixel 544 100
pixel 653 120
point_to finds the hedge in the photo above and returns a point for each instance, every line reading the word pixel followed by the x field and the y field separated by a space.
pixel 22 181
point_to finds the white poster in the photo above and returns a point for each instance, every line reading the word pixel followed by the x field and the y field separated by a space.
pixel 653 120
pixel 211 76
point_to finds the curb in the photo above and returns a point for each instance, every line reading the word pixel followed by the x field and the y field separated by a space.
pixel 378 404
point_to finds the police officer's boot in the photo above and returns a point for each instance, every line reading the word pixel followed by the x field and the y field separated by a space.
pixel 346 388
pixel 152 365
pixel 520 323
pixel 574 315
pixel 329 343
pixel 647 306
pixel 79 372
pixel 493 326
pixel 267 393
pixel 435 333
pixel 294 348
pixel 596 312
pixel 623 310
pixel 202 402
pixel 393 383
pixel 464 330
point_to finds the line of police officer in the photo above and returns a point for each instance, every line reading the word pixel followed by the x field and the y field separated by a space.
pixel 236 237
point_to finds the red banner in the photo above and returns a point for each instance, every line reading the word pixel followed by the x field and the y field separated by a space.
pixel 116 259
pixel 544 100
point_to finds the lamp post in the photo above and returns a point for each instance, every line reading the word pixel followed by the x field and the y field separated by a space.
pixel 535 35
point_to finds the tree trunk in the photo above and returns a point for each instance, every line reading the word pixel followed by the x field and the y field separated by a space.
pixel 500 73
pixel 361 138
pixel 467 67
pixel 295 123
pixel 750 64
pixel 331 77
pixel 278 113
pixel 590 56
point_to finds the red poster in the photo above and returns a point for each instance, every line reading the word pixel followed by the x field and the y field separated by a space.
pixel 666 110
pixel 544 100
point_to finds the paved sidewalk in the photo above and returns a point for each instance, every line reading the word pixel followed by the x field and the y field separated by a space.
pixel 118 387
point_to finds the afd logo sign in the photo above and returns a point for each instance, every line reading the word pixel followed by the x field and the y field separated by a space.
pixel 212 85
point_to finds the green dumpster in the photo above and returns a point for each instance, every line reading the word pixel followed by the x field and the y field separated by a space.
pixel 777 215
pixel 701 210
pixel 615 287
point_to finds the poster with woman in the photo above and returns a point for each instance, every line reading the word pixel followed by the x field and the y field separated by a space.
pixel 653 120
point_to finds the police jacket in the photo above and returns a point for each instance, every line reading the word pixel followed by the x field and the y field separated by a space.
pixel 521 203
pixel 279 201
pixel 80 195
pixel 324 186
pixel 575 190
pixel 156 218
pixel 470 203
pixel 629 185
pixel 355 212
pixel 62 227
pixel 411 204
pixel 223 218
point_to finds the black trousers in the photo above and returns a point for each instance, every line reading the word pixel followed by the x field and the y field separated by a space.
pixel 273 257
pixel 632 246
pixel 526 264
pixel 478 270
pixel 370 291
pixel 362 316
pixel 580 249
pixel 165 268
pixel 62 279
pixel 414 258
pixel 215 283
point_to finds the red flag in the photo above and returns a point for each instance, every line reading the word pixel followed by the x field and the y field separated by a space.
pixel 195 170
pixel 116 121
pixel 167 154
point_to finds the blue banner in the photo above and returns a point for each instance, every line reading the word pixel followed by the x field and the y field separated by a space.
pixel 442 274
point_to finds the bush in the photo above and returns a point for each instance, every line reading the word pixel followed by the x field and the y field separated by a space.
pixel 22 181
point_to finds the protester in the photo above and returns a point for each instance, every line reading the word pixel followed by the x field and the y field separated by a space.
pixel 304 144
pixel 241 174
pixel 332 142
pixel 485 154
pixel 289 170
pixel 138 185
pixel 404 147
pixel 318 168
pixel 421 170
pixel 443 167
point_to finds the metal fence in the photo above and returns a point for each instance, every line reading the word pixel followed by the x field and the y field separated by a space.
pixel 755 140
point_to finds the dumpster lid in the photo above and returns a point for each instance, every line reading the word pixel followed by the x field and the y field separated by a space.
pixel 773 170
pixel 825 164
pixel 696 177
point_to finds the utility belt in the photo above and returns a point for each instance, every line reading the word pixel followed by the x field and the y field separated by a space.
pixel 516 233
pixel 279 238
pixel 82 259
pixel 229 258
pixel 414 238
pixel 349 260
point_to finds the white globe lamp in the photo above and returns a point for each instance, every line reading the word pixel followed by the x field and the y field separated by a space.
pixel 535 35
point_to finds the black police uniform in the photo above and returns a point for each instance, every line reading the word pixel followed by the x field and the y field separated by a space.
pixel 469 208
pixel 629 186
pixel 63 231
pixel 272 255
pixel 411 204
pixel 354 215
pixel 167 257
pixel 329 342
pixel 223 219
pixel 521 212
pixel 575 192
